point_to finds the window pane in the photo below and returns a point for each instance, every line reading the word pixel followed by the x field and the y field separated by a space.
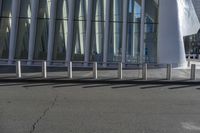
pixel 6 8
pixel 133 43
pixel 23 30
pixel 5 25
pixel 96 52
pixel 42 29
pixel 79 30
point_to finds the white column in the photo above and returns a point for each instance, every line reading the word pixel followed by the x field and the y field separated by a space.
pixel 124 38
pixel 51 30
pixel 88 31
pixel 106 34
pixel 142 28
pixel 14 27
pixel 70 29
pixel 33 26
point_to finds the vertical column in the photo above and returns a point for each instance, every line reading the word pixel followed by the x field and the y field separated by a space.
pixel 14 25
pixel 88 32
pixel 142 47
pixel 33 26
pixel 106 34
pixel 125 14
pixel 70 29
pixel 51 30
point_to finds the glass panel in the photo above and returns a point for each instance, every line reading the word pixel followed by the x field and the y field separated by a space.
pixel 96 52
pixel 42 29
pixel 60 43
pixel 62 9
pixel 23 30
pixel 150 43
pixel 98 25
pixel 133 43
pixel 79 30
pixel 5 26
pixel 133 31
pixel 151 22
pixel 6 8
pixel 99 10
pixel 115 38
pixel 134 10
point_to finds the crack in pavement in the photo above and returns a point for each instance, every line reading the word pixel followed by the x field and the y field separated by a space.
pixel 43 114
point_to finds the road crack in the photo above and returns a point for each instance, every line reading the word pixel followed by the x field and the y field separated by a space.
pixel 43 114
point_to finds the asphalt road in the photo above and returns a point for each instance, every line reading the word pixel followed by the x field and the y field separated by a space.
pixel 99 108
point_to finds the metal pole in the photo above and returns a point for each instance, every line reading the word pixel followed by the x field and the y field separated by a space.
pixel 18 69
pixel 70 70
pixel 95 70
pixel 144 72
pixel 169 72
pixel 44 69
pixel 120 67
pixel 193 72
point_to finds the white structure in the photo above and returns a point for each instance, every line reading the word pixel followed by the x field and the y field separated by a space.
pixel 128 31
pixel 181 20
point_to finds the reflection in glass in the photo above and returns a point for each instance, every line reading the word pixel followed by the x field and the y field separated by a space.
pixel 79 30
pixel 5 26
pixel 60 43
pixel 23 30
pixel 42 30
pixel 151 20
pixel 133 32
pixel 98 25
pixel 115 39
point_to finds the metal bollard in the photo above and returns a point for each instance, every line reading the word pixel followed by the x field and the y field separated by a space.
pixel 44 69
pixel 120 67
pixel 18 69
pixel 95 76
pixel 193 72
pixel 70 70
pixel 169 72
pixel 144 72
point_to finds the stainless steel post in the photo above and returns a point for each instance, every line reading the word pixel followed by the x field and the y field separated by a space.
pixel 95 76
pixel 169 72
pixel 120 67
pixel 144 72
pixel 70 70
pixel 44 69
pixel 18 69
pixel 193 72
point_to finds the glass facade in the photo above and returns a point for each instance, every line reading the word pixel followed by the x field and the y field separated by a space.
pixel 133 31
pixel 103 14
pixel 41 41
pixel 24 22
pixel 61 30
pixel 5 27
pixel 151 24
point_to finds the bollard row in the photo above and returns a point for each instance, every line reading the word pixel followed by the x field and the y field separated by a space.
pixel 119 71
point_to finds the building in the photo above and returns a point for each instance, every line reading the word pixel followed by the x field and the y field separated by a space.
pixel 128 31
pixel 192 42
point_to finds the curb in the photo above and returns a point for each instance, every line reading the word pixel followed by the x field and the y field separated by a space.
pixel 102 81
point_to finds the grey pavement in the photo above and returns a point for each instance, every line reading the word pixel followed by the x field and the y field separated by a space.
pixel 99 108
